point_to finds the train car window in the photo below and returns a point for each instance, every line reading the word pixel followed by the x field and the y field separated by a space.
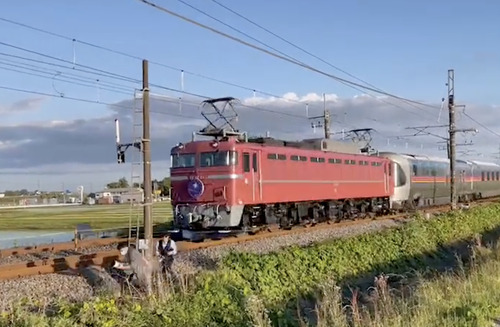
pixel 254 159
pixel 294 158
pixel 482 176
pixel 338 161
pixel 281 157
pixel 332 161
pixel 347 161
pixel 185 160
pixel 303 158
pixel 246 162
pixel 272 156
pixel 314 159
pixel 353 162
pixel 415 170
pixel 218 159
pixel 321 159
pixel 390 170
pixel 488 175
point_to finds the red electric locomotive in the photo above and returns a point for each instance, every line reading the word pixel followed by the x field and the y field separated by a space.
pixel 231 182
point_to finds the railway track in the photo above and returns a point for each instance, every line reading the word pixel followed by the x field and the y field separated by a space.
pixel 106 258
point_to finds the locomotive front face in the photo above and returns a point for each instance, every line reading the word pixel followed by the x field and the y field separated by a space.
pixel 202 180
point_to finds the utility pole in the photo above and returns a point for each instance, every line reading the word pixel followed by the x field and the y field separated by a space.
pixel 451 110
pixel 326 114
pixel 146 147
pixel 326 120
pixel 452 131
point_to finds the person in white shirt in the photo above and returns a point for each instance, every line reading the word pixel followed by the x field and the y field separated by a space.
pixel 166 249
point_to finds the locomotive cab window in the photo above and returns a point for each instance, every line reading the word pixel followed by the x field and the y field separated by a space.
pixel 254 162
pixel 185 160
pixel 218 159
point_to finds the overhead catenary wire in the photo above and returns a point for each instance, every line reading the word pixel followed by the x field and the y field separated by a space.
pixel 299 47
pixel 8 88
pixel 339 79
pixel 131 56
pixel 239 31
pixel 109 74
pixel 295 59
pixel 80 77
pixel 192 73
pixel 482 125
pixel 343 81
pixel 75 40
pixel 54 78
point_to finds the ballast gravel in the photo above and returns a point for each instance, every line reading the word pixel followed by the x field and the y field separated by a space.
pixel 76 288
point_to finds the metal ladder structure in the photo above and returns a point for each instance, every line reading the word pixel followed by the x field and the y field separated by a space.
pixel 136 175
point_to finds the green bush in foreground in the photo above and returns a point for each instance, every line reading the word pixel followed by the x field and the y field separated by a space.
pixel 222 297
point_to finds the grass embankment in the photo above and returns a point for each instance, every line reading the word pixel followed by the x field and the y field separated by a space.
pixel 467 297
pixel 268 289
pixel 66 218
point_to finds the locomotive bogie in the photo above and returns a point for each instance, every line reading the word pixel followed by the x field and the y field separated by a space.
pixel 204 216
pixel 286 215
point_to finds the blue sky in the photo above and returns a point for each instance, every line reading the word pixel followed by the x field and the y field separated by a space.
pixel 402 47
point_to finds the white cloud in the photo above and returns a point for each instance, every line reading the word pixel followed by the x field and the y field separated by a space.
pixel 22 106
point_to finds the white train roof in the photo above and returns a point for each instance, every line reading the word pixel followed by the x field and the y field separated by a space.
pixel 428 158
pixel 443 160
pixel 482 163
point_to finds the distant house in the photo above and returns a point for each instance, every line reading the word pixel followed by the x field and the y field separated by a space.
pixel 120 195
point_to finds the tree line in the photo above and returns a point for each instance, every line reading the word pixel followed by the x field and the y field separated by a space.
pixel 161 185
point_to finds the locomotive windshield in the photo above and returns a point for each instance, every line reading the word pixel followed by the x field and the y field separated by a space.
pixel 182 160
pixel 218 159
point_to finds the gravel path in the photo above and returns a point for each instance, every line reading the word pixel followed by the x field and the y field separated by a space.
pixel 76 288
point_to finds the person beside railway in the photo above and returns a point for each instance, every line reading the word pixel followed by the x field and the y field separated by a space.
pixel 141 268
pixel 166 249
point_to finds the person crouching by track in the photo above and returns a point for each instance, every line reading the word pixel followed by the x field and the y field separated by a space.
pixel 166 249
pixel 141 268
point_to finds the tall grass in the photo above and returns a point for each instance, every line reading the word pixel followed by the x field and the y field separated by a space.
pixel 467 297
